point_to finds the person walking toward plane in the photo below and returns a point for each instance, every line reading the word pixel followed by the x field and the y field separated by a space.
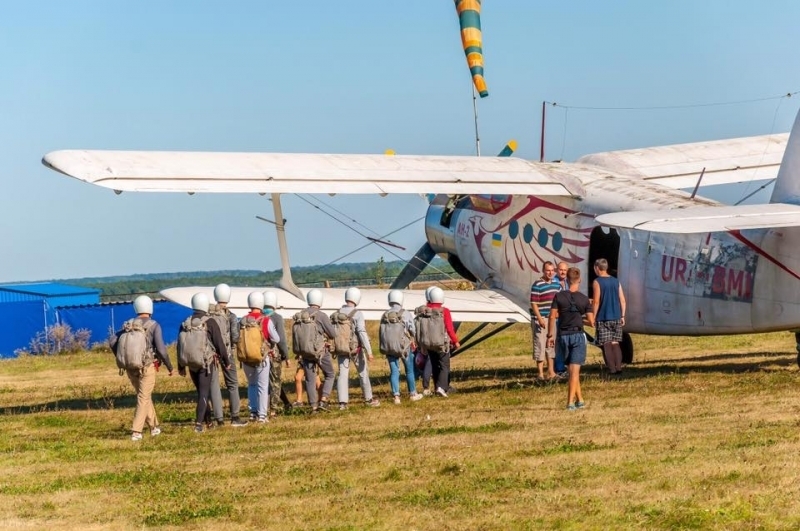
pixel 396 342
pixel 561 276
pixel 145 335
pixel 437 336
pixel 543 291
pixel 257 336
pixel 280 355
pixel 422 362
pixel 229 326
pixel 310 330
pixel 571 310
pixel 350 322
pixel 200 344
pixel 608 306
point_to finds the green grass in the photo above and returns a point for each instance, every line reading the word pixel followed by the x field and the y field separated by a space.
pixel 701 434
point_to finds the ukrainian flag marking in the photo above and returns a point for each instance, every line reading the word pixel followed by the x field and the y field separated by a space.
pixel 497 239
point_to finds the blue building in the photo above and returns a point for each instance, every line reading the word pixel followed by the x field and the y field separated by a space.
pixel 28 309
pixel 54 293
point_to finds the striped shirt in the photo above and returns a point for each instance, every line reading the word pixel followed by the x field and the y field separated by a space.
pixel 542 294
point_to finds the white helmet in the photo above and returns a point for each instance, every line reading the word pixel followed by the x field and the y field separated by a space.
pixel 437 295
pixel 352 295
pixel 396 297
pixel 255 300
pixel 222 293
pixel 270 299
pixel 200 302
pixel 428 293
pixel 143 304
pixel 314 297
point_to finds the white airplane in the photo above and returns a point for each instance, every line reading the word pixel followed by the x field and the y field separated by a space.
pixel 690 266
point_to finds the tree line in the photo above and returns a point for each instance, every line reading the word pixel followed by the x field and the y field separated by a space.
pixel 379 273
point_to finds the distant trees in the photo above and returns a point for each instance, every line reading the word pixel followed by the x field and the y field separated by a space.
pixel 380 273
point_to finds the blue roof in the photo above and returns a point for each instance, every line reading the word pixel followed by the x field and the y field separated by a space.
pixel 48 289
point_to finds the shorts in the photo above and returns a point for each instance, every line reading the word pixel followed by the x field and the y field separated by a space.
pixel 540 348
pixel 609 331
pixel 574 347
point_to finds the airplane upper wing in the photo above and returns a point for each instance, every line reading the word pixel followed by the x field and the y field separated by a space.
pixel 485 306
pixel 679 166
pixel 706 219
pixel 172 171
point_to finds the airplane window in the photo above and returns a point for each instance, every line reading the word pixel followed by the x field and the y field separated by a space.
pixel 489 203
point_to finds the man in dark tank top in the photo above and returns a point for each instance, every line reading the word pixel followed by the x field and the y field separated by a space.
pixel 608 304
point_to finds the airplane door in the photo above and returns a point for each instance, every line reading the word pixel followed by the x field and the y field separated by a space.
pixel 632 275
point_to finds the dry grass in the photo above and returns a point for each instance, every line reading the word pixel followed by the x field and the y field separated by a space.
pixel 701 434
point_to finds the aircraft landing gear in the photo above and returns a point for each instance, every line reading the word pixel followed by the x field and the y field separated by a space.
pixel 627 349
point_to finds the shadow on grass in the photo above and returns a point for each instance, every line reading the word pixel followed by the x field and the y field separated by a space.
pixel 463 380
pixel 525 377
pixel 129 401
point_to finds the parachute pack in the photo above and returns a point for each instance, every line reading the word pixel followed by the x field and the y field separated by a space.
pixel 430 329
pixel 220 315
pixel 133 352
pixel 252 347
pixel 393 337
pixel 345 342
pixel 194 348
pixel 307 341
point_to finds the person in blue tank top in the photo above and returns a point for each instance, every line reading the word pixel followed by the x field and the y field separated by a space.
pixel 608 304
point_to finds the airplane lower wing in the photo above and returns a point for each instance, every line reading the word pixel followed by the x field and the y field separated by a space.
pixel 678 166
pixel 484 306
pixel 208 172
pixel 706 219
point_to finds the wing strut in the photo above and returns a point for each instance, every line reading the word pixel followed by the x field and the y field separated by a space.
pixel 480 339
pixel 286 282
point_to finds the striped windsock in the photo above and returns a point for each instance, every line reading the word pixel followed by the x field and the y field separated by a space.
pixel 469 18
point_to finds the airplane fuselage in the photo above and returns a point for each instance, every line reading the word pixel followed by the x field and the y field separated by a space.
pixel 675 284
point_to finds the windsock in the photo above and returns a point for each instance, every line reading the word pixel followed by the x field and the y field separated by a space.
pixel 469 18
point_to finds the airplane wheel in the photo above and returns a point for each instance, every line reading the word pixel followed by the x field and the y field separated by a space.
pixel 627 349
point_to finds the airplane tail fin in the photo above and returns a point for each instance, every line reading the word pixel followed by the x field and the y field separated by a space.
pixel 787 184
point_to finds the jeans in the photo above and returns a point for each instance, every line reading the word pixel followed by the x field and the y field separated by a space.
pixel 394 374
pixel 258 387
pixel 574 345
pixel 343 381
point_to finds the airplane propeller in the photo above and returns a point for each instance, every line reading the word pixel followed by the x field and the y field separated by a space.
pixel 426 253
pixel 414 267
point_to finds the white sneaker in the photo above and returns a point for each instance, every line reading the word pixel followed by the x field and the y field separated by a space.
pixel 397 399
pixel 136 436
pixel 155 431
pixel 426 392
pixel 441 392
pixel 415 397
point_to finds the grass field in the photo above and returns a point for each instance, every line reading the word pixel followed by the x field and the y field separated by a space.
pixel 700 434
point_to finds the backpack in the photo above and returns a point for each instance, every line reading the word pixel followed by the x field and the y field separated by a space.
pixel 393 336
pixel 252 347
pixel 133 351
pixel 221 317
pixel 431 333
pixel 194 348
pixel 307 341
pixel 345 342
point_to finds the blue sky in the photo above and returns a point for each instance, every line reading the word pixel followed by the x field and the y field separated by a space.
pixel 351 77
